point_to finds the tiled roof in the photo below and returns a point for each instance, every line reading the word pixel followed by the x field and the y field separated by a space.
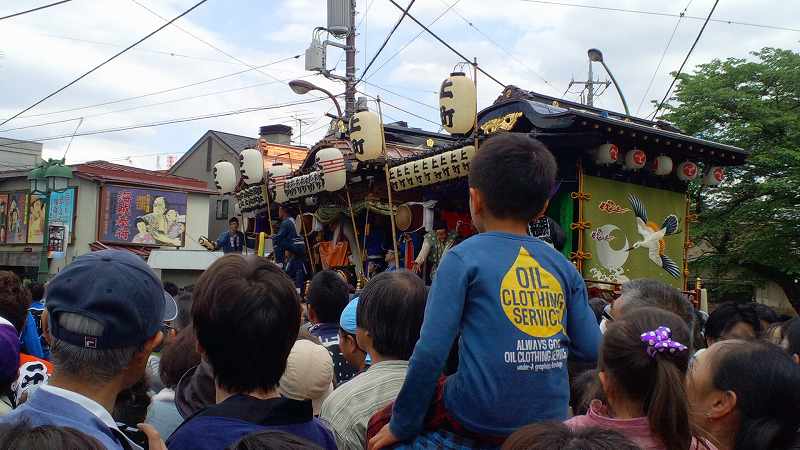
pixel 235 141
pixel 116 173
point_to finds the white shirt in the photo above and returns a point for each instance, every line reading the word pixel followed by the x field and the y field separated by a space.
pixel 90 405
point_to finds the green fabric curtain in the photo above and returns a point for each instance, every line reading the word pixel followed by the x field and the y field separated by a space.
pixel 327 214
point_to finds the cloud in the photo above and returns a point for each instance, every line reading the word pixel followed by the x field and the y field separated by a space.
pixel 527 42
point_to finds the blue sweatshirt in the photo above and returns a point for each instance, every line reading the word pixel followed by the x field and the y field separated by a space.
pixel 520 306
pixel 284 239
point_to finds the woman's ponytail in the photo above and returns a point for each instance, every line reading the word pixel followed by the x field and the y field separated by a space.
pixel 646 357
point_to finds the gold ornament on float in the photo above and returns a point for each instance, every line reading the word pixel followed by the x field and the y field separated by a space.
pixel 458 103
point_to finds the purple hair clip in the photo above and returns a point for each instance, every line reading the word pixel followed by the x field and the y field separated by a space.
pixel 659 341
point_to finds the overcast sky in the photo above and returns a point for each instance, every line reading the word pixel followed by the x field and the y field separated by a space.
pixel 533 45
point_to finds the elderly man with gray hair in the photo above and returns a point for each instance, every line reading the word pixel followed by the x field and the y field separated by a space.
pixel 649 292
pixel 103 318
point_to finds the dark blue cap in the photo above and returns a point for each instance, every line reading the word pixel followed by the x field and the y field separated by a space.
pixel 115 288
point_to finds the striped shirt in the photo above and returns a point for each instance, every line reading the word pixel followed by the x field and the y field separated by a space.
pixel 348 409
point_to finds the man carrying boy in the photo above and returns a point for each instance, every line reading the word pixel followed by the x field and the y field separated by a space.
pixel 519 304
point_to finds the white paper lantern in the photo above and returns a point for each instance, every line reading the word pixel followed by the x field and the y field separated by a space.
pixel 277 176
pixel 687 171
pixel 458 103
pixel 366 133
pixel 225 177
pixel 606 154
pixel 331 175
pixel 714 176
pixel 635 159
pixel 334 172
pixel 662 165
pixel 251 166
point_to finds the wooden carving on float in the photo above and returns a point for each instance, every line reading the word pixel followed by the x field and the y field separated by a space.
pixel 504 123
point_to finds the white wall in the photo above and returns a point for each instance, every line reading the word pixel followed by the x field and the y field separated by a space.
pixel 19 155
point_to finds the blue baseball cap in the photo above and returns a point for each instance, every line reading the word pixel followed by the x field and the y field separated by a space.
pixel 115 288
pixel 347 321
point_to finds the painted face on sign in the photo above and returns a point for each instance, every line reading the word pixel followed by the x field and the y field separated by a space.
pixel 159 205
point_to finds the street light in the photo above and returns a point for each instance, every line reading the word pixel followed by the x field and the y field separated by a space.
pixel 596 55
pixel 51 176
pixel 302 87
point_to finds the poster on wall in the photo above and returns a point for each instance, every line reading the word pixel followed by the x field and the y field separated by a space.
pixel 56 240
pixel 17 218
pixel 62 213
pixel 36 217
pixel 635 232
pixel 142 216
pixel 3 217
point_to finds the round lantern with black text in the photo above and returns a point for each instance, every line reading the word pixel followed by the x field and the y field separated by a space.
pixel 458 103
pixel 225 177
pixel 365 135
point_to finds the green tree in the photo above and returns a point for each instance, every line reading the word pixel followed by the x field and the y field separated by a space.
pixel 750 224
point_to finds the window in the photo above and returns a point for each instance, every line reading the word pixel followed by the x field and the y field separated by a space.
pixel 222 209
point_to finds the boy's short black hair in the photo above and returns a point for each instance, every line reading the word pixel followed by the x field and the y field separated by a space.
pixel 37 291
pixel 246 315
pixel 273 440
pixel 391 309
pixel 328 295
pixel 515 174
pixel 233 220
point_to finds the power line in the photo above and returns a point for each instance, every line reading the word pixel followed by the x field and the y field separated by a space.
pixel 150 105
pixel 400 109
pixel 209 44
pixel 179 120
pixel 103 63
pixel 386 41
pixel 678 73
pixel 400 50
pixel 163 91
pixel 399 95
pixel 34 9
pixel 460 55
pixel 157 52
pixel 510 55
pixel 663 54
pixel 663 14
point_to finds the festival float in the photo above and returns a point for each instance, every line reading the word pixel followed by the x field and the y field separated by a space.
pixel 622 199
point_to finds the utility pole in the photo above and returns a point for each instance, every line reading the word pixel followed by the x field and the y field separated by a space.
pixel 589 86
pixel 350 56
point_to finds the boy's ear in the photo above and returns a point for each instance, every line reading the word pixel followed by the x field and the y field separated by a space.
pixel 476 201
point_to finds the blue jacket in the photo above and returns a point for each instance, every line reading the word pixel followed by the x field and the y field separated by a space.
pixel 224 241
pixel 521 308
pixel 30 339
pixel 46 408
pixel 284 240
pixel 222 425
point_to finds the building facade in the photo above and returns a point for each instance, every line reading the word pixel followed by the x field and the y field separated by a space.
pixel 215 146
pixel 106 206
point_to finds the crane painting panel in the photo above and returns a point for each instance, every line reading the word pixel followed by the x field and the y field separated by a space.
pixel 635 232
